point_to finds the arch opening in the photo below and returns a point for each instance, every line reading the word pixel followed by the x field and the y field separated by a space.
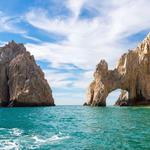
pixel 115 96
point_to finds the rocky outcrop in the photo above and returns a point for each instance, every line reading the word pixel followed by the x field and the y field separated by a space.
pixel 132 75
pixel 22 81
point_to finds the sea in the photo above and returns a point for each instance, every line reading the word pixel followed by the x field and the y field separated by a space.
pixel 75 128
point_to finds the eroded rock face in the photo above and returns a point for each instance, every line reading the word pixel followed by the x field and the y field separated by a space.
pixel 132 75
pixel 22 81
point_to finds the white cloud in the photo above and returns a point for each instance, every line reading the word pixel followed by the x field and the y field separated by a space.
pixel 61 81
pixel 57 80
pixel 75 6
pixel 130 17
pixel 83 80
pixel 89 40
pixel 8 24
pixel 31 38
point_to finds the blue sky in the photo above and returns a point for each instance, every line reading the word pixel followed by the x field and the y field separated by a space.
pixel 68 38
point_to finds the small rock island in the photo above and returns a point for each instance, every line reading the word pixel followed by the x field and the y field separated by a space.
pixel 22 81
pixel 132 76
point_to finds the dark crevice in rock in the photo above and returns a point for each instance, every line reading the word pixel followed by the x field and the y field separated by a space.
pixel 7 87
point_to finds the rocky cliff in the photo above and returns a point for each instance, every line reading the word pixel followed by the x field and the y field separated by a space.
pixel 22 81
pixel 132 76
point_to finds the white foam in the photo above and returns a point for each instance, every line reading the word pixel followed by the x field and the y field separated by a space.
pixel 12 141
pixel 42 140
pixel 18 140
pixel 8 145
pixel 57 138
pixel 16 131
pixel 38 139
pixel 2 129
pixel 12 132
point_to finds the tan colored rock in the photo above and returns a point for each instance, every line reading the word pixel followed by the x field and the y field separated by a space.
pixel 22 81
pixel 132 74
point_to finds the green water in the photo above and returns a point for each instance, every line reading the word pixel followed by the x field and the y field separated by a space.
pixel 75 128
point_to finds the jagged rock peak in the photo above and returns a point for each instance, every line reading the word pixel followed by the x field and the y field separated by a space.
pixel 22 80
pixel 12 44
pixel 102 66
pixel 132 76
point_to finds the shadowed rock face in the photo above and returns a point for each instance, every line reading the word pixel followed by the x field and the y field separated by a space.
pixel 132 75
pixel 22 81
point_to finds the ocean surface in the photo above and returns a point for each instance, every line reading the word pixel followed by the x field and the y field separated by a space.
pixel 75 128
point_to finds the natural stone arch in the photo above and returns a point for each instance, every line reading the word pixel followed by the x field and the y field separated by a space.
pixel 105 82
pixel 131 74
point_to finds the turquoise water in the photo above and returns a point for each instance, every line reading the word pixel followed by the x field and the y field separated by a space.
pixel 75 128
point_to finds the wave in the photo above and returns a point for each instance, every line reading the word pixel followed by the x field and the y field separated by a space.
pixel 16 132
pixel 9 138
pixel 8 145
pixel 14 139
pixel 57 138
pixel 11 132
pixel 51 139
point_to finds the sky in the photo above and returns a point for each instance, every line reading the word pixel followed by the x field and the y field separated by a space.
pixel 69 37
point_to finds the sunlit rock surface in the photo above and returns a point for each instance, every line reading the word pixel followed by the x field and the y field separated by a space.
pixel 132 75
pixel 22 81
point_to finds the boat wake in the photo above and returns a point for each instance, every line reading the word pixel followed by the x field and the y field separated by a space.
pixel 14 139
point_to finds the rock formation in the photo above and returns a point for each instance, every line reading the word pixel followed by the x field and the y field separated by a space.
pixel 132 76
pixel 22 81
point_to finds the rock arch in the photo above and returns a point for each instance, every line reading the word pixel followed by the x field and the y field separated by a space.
pixel 105 82
pixel 131 74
